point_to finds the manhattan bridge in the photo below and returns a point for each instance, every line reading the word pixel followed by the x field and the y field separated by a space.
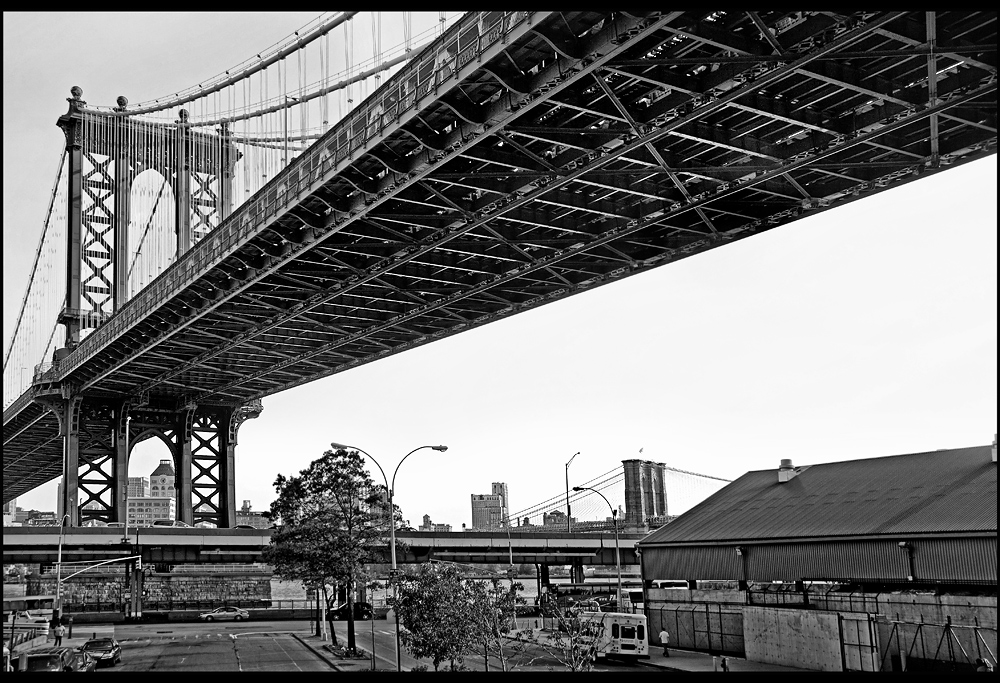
pixel 291 218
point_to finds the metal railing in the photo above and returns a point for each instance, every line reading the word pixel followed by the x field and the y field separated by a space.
pixel 221 568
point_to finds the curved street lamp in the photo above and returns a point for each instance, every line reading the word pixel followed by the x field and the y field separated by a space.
pixel 392 522
pixel 618 552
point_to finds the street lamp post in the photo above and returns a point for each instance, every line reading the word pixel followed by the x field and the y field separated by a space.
pixel 511 573
pixel 392 524
pixel 618 552
pixel 57 615
pixel 128 429
pixel 568 523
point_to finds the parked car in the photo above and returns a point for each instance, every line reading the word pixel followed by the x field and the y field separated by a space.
pixel 176 523
pixel 362 612
pixel 244 526
pixel 224 613
pixel 116 525
pixel 104 650
pixel 83 661
pixel 51 659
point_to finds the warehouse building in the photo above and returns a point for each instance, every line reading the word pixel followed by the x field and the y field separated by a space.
pixel 794 541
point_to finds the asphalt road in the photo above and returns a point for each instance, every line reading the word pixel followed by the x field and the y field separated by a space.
pixel 271 646
pixel 230 646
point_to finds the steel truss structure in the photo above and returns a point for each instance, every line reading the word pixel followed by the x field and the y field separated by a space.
pixel 569 150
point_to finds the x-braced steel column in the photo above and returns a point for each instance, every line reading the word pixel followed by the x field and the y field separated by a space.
pixel 99 471
pixel 213 433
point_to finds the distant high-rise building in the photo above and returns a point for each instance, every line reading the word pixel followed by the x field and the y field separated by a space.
pixel 9 511
pixel 500 489
pixel 487 511
pixel 138 487
pixel 161 481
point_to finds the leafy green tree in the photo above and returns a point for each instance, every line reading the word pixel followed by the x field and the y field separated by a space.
pixel 574 642
pixel 436 615
pixel 494 605
pixel 332 521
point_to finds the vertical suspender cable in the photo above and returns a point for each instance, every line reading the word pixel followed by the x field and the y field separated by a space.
pixel 326 78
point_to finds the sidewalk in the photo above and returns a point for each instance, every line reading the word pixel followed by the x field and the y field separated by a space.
pixel 81 634
pixel 318 647
pixel 685 660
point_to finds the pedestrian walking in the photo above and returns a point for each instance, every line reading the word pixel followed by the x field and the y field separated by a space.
pixel 664 639
pixel 724 664
pixel 60 631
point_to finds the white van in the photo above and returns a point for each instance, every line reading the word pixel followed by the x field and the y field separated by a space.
pixel 619 635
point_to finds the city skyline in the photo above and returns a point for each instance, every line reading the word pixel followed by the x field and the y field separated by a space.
pixel 865 331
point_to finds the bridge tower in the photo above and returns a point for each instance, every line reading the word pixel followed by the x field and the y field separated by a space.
pixel 645 491
pixel 106 151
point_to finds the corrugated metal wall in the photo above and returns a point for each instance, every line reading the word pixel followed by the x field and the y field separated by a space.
pixel 969 559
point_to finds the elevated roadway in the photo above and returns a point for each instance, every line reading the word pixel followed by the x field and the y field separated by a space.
pixel 215 546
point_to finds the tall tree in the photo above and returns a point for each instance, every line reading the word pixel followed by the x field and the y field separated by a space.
pixel 494 611
pixel 436 614
pixel 332 521
pixel 575 641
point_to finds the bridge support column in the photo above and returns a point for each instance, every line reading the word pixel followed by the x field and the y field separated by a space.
pixel 543 578
pixel 70 426
pixel 576 572
pixel 123 441
pixel 73 129
pixel 182 478
pixel 124 176
pixel 182 184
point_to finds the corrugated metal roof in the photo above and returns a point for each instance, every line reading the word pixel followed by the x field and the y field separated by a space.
pixel 936 492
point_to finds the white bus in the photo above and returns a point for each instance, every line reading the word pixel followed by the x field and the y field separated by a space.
pixel 619 635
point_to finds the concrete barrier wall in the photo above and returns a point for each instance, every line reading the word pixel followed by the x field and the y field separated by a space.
pixel 792 637
pixel 675 595
pixel 287 590
pixel 968 610
pixel 101 588
pixel 716 620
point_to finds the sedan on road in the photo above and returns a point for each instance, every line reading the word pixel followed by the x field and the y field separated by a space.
pixel 223 613
pixel 104 650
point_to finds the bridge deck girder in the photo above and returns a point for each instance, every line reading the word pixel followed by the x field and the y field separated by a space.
pixel 662 136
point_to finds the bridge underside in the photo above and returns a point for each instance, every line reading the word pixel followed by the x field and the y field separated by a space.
pixel 583 148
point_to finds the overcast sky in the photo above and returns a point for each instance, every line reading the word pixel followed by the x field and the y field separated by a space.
pixel 864 331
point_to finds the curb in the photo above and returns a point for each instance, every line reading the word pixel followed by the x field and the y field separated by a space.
pixel 322 655
pixel 660 666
